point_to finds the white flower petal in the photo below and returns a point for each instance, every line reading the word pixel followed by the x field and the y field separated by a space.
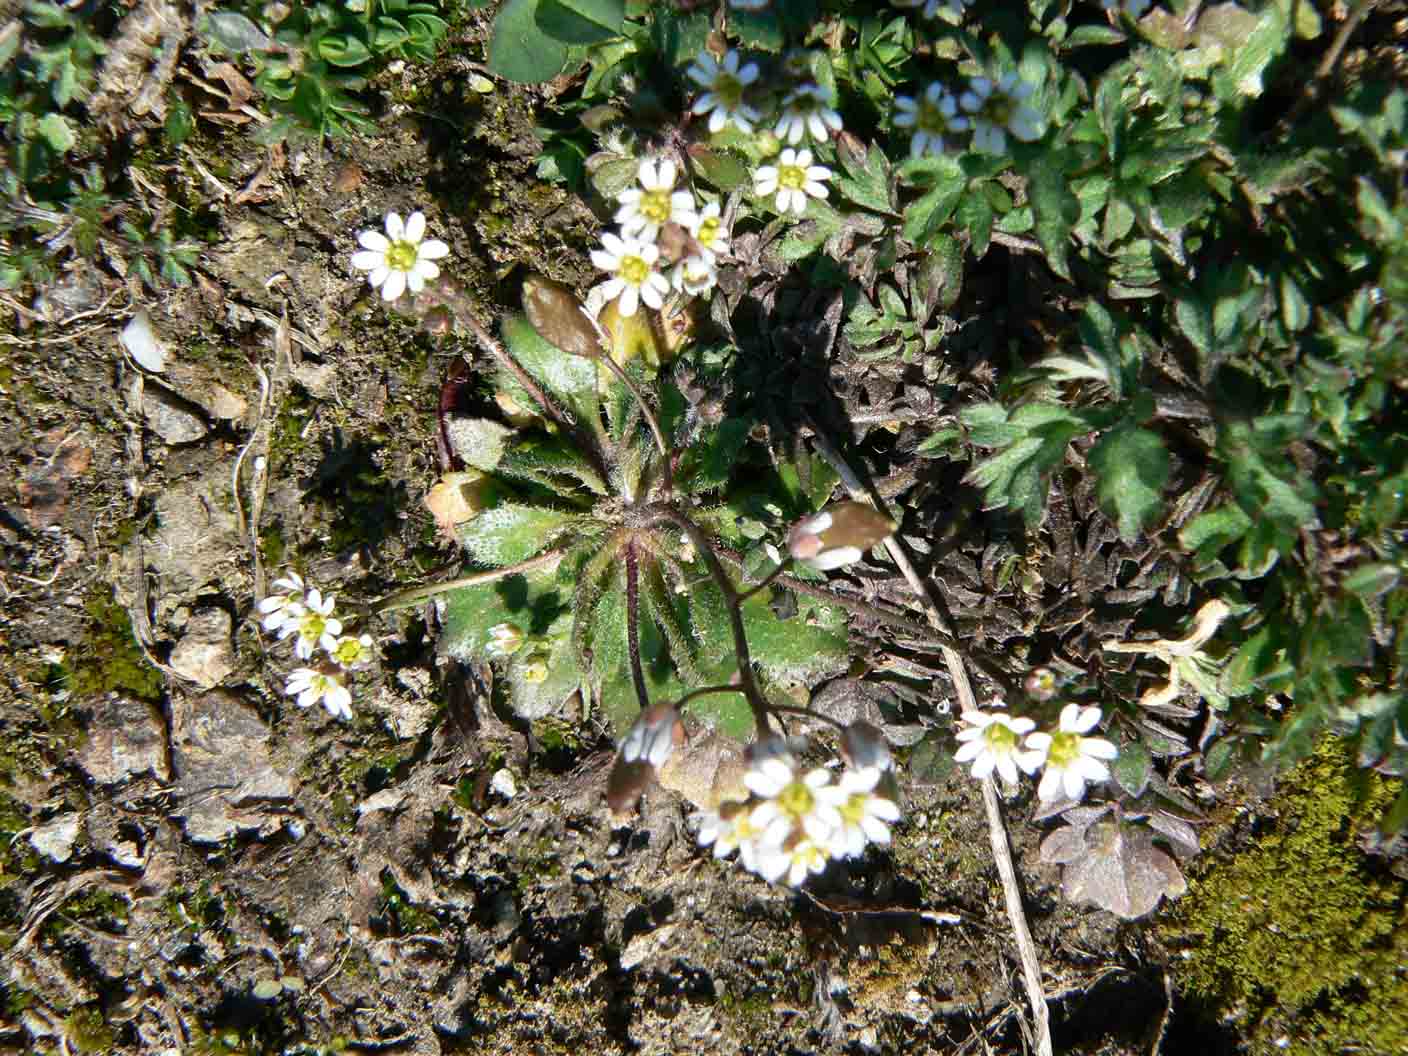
pixel 368 260
pixel 395 227
pixel 395 286
pixel 433 249
pixel 374 240
pixel 415 227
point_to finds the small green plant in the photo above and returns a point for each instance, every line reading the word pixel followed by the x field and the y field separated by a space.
pixel 597 522
pixel 311 59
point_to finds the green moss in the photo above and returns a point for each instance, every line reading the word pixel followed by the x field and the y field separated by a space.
pixel 110 658
pixel 86 1031
pixel 1299 937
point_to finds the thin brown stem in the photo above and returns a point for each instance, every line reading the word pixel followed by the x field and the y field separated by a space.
pixel 704 692
pixel 633 625
pixel 768 580
pixel 402 599
pixel 791 709
pixel 663 512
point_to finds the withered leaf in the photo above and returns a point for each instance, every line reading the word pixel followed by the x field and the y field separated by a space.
pixel 557 315
pixel 1112 864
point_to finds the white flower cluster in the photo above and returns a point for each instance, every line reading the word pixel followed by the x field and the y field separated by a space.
pixel 806 111
pixel 657 217
pixel 402 259
pixel 796 821
pixel 302 613
pixel 994 740
pixel 990 109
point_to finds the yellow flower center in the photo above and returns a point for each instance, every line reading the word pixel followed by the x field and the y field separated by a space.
pixel 655 206
pixel 796 800
pixel 634 270
pixel 348 652
pixel 853 810
pixel 932 119
pixel 792 177
pixel 998 108
pixel 708 231
pixel 1000 737
pixel 729 89
pixel 1065 749
pixel 312 626
pixel 402 255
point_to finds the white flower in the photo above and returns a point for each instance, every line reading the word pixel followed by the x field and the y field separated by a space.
pixel 709 233
pixel 655 203
pixel 316 628
pixel 865 816
pixel 793 860
pixel 309 686
pixel 998 108
pixel 401 259
pixel 694 275
pixel 991 742
pixel 1072 761
pixel 633 263
pixel 933 116
pixel 724 85
pixel 352 652
pixel 793 178
pixel 730 829
pixel 931 7
pixel 286 607
pixel 653 736
pixel 790 802
pixel 807 110
pixel 1133 8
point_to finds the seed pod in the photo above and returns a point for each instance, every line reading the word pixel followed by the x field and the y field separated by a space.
pixel 557 315
pixel 838 535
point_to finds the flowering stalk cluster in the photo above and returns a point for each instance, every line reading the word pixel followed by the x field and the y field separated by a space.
pixel 303 614
pixel 796 821
pixel 1069 760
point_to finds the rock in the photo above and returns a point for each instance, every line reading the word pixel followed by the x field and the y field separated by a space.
pixel 125 737
pixel 317 378
pixel 503 783
pixel 55 839
pixel 224 773
pixel 172 418
pixel 196 539
pixel 204 654
pixel 642 947
pixel 224 404
pixel 142 344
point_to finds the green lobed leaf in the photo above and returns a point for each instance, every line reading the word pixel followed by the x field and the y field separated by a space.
pixel 1054 206
pixel 1131 467
pixel 806 647
pixel 1033 441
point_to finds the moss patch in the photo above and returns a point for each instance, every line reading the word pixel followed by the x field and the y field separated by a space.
pixel 1299 937
pixel 110 657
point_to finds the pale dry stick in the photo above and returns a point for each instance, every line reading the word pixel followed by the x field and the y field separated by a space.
pixel 403 598
pixel 953 660
pixel 235 478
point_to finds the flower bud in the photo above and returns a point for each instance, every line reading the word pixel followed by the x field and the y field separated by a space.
pixel 863 747
pixel 649 742
pixel 653 736
pixel 838 535
pixel 535 669
pixel 505 639
pixel 1041 683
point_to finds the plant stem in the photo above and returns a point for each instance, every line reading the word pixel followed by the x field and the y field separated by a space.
pixel 792 709
pixel 704 692
pixel 767 580
pixel 404 598
pixel 747 682
pixel 650 419
pixel 633 624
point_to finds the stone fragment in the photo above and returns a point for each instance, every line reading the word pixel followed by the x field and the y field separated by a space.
pixel 224 773
pixel 204 654
pixel 55 839
pixel 172 418
pixel 125 737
